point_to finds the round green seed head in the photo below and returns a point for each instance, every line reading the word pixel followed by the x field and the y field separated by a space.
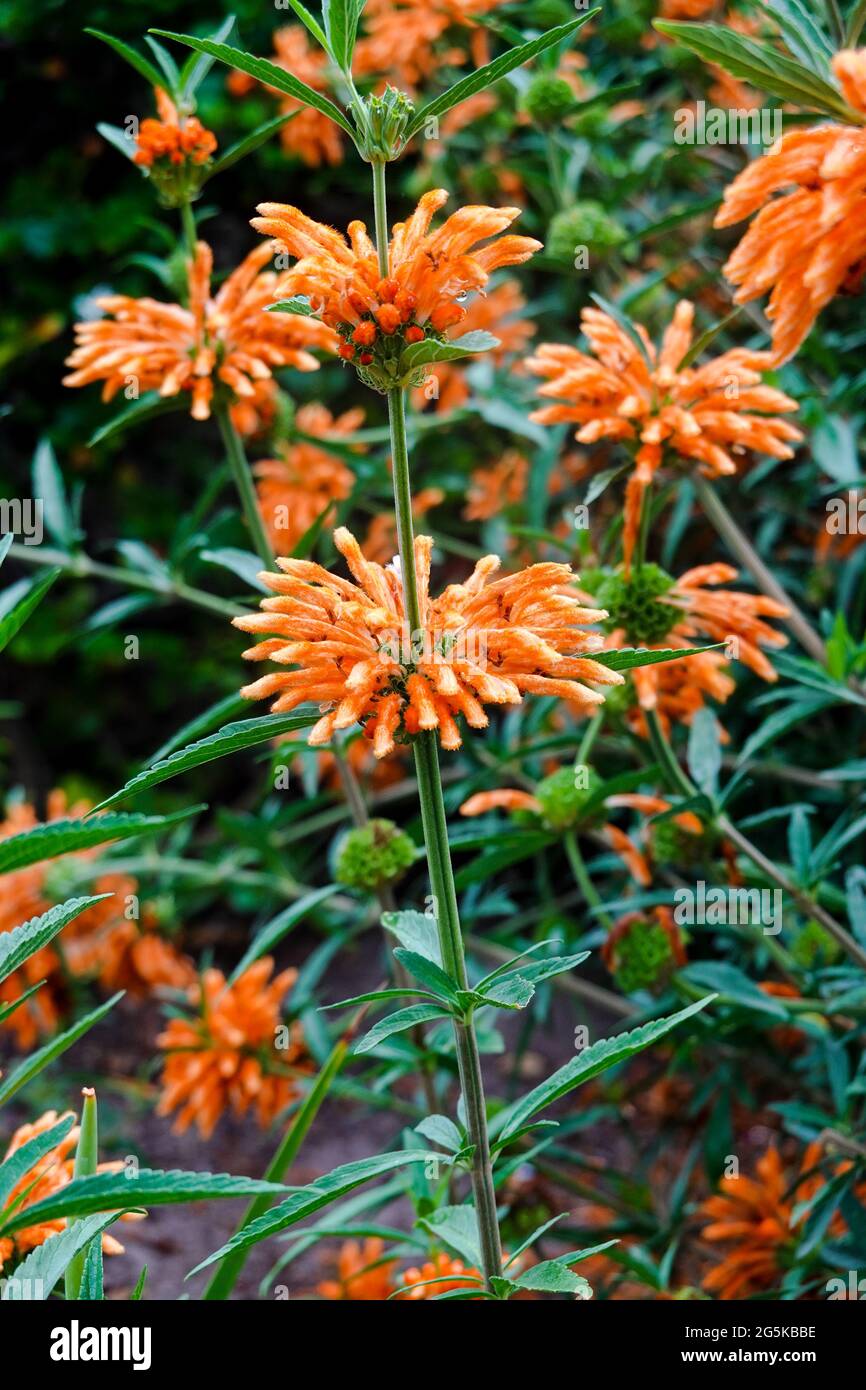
pixel 633 603
pixel 585 224
pixel 564 794
pixel 374 855
pixel 548 99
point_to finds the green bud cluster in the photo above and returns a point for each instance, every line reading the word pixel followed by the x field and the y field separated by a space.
pixel 374 855
pixel 644 957
pixel 632 602
pixel 384 123
pixel 563 798
pixel 585 224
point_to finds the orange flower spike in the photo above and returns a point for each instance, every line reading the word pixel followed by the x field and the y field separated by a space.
pixel 808 244
pixel 617 392
pixel 172 349
pixel 486 641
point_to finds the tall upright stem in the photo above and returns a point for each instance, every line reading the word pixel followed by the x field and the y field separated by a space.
pixel 742 547
pixel 187 218
pixel 244 483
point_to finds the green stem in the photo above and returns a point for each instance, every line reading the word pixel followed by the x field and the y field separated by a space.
pixel 441 872
pixel 583 880
pixel 675 777
pixel 718 514
pixel 190 236
pixel 593 729
pixel 230 1266
pixel 82 567
pixel 380 210
pixel 244 482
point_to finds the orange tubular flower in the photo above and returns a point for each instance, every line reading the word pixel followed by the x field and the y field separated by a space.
pixel 436 1277
pixel 171 140
pixel 309 135
pixel 810 243
pixel 169 348
pixel 757 1214
pixel 363 1276
pixel 429 273
pixel 709 414
pixel 494 489
pixel 47 1176
pixel 402 36
pixel 512 799
pixel 294 489
pixel 499 312
pixel 483 642
pixel 649 608
pixel 225 1059
pixel 101 943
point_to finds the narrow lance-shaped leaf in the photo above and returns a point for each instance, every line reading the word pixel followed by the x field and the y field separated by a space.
pixel 264 71
pixel 319 1194
pixel 68 836
pixel 492 72
pixel 149 1187
pixel 55 1047
pixel 36 1277
pixel 589 1063
pixel 23 1160
pixel 142 65
pixel 399 1022
pixel 22 942
pixel 19 601
pixel 234 738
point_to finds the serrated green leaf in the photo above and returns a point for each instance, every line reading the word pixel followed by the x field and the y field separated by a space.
pixel 298 304
pixel 439 1130
pixel 36 1277
pixel 416 931
pixel 55 1047
pixel 266 72
pixel 49 488
pixel 58 837
pixel 630 657
pixel 202 724
pixel 23 1160
pixel 762 65
pixel 590 1063
pixel 431 975
pixel 399 1022
pixel 130 1190
pixel 143 66
pixel 18 945
pixel 492 72
pixel 319 1194
pixel 91 1288
pixel 253 141
pixel 234 738
pixel 432 350
pixel 19 601
pixel 341 26
pixel 197 66
pixel 147 407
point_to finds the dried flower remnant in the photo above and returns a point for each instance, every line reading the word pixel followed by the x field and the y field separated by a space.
pixel 225 338
pixel 486 641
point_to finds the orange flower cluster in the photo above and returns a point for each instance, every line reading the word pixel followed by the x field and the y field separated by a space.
pixel 47 1176
pixel 493 489
pixel 225 1059
pixel 482 642
pixel 362 1274
pixel 309 135
pixel 710 414
pixel 171 139
pixel 402 37
pixel 437 1276
pixel 101 943
pixel 295 488
pixel 500 311
pixel 170 348
pixel 757 1216
pixel 428 272
pixel 808 244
